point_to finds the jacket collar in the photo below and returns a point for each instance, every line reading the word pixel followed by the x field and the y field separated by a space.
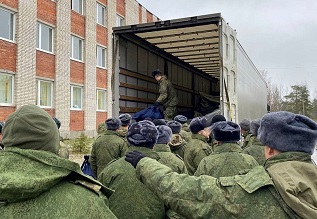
pixel 227 147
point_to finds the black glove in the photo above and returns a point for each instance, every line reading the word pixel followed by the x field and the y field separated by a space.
pixel 134 157
pixel 157 104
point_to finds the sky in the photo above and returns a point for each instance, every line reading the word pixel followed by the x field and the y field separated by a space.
pixel 279 36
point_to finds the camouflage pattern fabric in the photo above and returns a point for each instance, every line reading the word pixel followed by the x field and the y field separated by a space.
pixel 101 128
pixel 107 147
pixel 227 160
pixel 247 141
pixel 186 135
pixel 132 199
pixel 256 150
pixel 196 149
pixel 63 150
pixel 294 175
pixel 170 159
pixel 123 134
pixel 44 185
pixel 177 145
pixel 242 196
pixel 170 112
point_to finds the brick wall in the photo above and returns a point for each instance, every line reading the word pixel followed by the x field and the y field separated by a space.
pixel 100 117
pixel 77 24
pixel 46 11
pixel 10 3
pixel 50 111
pixel 131 12
pixel 149 16
pixel 77 120
pixel 101 75
pixel 120 7
pixel 77 72
pixel 5 112
pixel 102 35
pixel 8 53
pixel 45 64
pixel 140 13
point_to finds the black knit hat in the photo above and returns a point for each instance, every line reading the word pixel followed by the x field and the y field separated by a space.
pixel 156 72
pixel 143 134
pixel 125 119
pixel 180 118
pixel 245 124
pixel 254 126
pixel 165 134
pixel 197 124
pixel 159 122
pixel 226 131
pixel 58 123
pixel 113 124
pixel 286 131
pixel 175 126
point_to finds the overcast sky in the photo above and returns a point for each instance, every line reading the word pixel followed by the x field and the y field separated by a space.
pixel 280 36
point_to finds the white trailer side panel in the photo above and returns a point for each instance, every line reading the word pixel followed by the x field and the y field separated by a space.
pixel 251 88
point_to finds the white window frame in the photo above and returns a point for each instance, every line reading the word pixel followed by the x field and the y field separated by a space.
pixel 121 19
pixel 81 49
pixel 38 102
pixel 12 90
pixel 104 92
pixel 104 53
pixel 82 6
pixel 72 97
pixel 103 22
pixel 39 39
pixel 12 25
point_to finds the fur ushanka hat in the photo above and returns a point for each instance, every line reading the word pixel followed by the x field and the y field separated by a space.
pixel 226 131
pixel 254 126
pixel 245 124
pixel 175 126
pixel 142 134
pixel 180 118
pixel 113 124
pixel 286 131
pixel 125 119
pixel 165 134
pixel 197 124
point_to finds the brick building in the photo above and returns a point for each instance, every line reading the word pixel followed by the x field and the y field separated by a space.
pixel 58 55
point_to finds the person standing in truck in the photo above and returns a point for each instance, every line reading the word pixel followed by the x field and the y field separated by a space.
pixel 167 96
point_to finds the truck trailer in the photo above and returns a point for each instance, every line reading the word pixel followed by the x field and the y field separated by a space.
pixel 200 55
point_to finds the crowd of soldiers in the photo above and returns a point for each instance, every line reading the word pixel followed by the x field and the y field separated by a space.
pixel 179 168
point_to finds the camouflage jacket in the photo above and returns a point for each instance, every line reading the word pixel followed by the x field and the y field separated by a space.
pixel 167 92
pixel 169 159
pixel 44 185
pixel 185 135
pixel 247 140
pixel 256 150
pixel 196 149
pixel 243 196
pixel 107 147
pixel 294 175
pixel 131 199
pixel 227 160
pixel 123 134
pixel 177 145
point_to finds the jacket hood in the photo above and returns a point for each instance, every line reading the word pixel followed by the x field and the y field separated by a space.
pixel 30 173
pixel 176 142
pixel 30 127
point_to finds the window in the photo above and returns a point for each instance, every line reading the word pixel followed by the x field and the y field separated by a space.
pixel 76 97
pixel 119 21
pixel 44 39
pixel 6 24
pixel 101 96
pixel 101 57
pixel 101 14
pixel 77 5
pixel 6 89
pixel 44 93
pixel 77 48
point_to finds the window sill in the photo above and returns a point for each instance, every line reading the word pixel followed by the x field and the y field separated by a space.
pixel 76 60
pixel 105 68
pixel 42 50
pixel 8 40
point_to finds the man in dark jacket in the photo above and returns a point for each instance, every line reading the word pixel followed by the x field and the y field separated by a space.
pixel 37 183
pixel 284 188
pixel 107 147
pixel 167 96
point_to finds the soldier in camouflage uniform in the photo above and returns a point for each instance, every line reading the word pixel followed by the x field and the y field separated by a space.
pixel 245 132
pixel 197 148
pixel 133 199
pixel 227 159
pixel 125 122
pixel 37 183
pixel 107 147
pixel 185 132
pixel 101 128
pixel 63 148
pixel 1 126
pixel 171 160
pixel 212 141
pixel 167 96
pixel 177 144
pixel 256 150
pixel 284 188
